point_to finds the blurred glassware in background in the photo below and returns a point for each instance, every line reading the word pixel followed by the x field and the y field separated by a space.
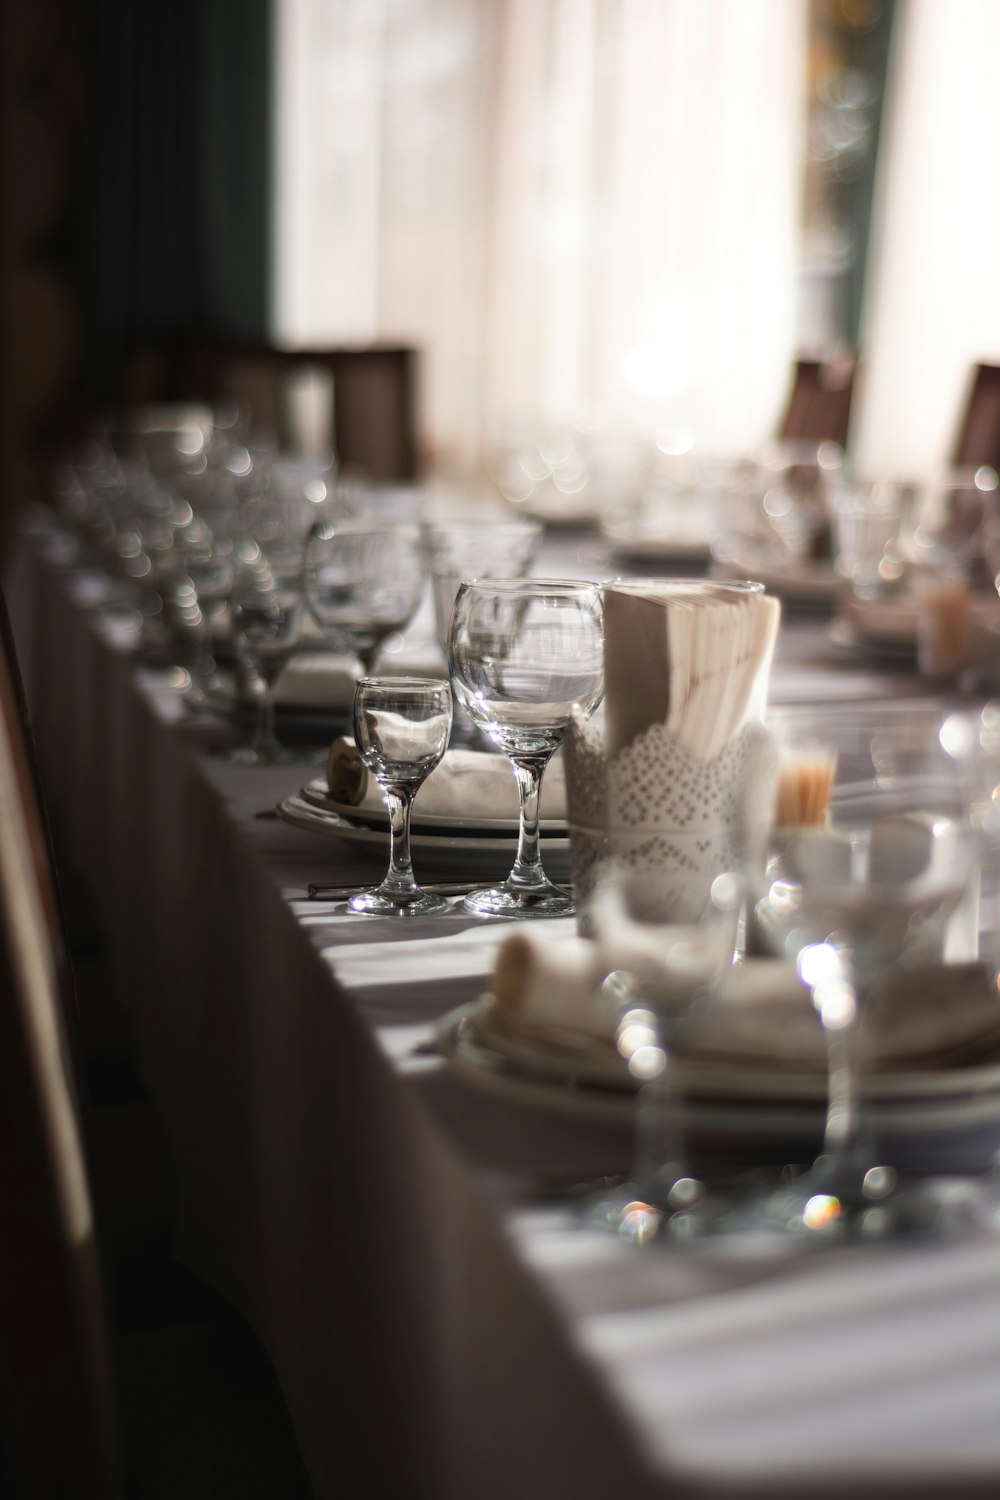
pixel 459 552
pixel 943 520
pixel 566 475
pixel 866 521
pixel 266 622
pixel 657 975
pixel 200 593
pixel 801 480
pixel 773 510
pixel 362 582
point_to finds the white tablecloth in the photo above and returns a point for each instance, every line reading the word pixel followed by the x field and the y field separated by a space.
pixel 438 1326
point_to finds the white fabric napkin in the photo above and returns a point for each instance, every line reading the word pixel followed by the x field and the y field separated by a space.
pixel 326 679
pixel 316 679
pixel 471 784
pixel 935 1017
pixel 690 657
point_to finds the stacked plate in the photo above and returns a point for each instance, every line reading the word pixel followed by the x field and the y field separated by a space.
pixel 483 846
pixel 945 1118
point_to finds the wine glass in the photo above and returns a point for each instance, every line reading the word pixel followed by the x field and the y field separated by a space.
pixel 851 898
pixel 362 582
pixel 401 729
pixel 523 653
pixel 203 588
pixel 266 622
pixel 460 551
pixel 657 975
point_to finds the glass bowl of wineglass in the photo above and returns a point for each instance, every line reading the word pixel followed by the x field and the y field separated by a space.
pixel 362 582
pixel 523 653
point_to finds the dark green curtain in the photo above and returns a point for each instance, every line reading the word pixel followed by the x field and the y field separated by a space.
pixel 181 173
pixel 870 54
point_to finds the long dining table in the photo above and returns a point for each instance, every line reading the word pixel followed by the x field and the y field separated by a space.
pixel 444 1319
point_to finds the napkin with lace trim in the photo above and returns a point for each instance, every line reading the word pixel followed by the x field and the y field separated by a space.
pixel 681 782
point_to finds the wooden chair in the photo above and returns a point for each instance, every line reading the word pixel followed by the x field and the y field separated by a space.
pixel 372 391
pixel 978 439
pixel 819 403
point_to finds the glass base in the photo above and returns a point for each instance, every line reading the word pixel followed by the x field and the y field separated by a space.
pixel 799 1214
pixel 834 1201
pixel 508 900
pixel 379 903
pixel 687 1212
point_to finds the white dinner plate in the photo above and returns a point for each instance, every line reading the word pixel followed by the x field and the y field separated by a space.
pixel 631 540
pixel 805 585
pixel 489 854
pixel 587 1081
pixel 886 651
pixel 315 792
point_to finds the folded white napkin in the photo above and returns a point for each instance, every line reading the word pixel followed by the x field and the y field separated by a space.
pixel 316 679
pixel 693 658
pixel 682 778
pixel 472 784
pixel 760 1016
pixel 326 679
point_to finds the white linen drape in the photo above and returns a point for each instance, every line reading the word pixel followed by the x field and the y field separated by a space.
pixel 582 210
pixel 933 298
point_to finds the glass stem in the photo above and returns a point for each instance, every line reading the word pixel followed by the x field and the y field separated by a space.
pixel 844 1140
pixel 399 878
pixel 527 871
pixel 265 741
pixel 201 669
pixel 660 1147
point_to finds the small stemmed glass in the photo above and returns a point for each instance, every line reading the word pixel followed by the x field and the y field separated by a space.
pixel 523 653
pixel 266 623
pixel 401 730
pixel 362 581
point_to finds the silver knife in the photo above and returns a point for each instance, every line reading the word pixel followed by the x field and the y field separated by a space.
pixel 442 888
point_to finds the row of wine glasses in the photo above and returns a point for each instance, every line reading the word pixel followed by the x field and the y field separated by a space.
pixel 362 580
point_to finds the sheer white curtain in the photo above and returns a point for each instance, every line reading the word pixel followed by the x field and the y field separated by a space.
pixel 582 210
pixel 933 303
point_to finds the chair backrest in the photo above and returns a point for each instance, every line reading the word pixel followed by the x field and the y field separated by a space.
pixel 373 391
pixel 57 1410
pixel 978 439
pixel 819 403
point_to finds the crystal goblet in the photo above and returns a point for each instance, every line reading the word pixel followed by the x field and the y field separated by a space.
pixel 523 653
pixel 401 729
pixel 206 582
pixel 266 624
pixel 457 552
pixel 362 581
